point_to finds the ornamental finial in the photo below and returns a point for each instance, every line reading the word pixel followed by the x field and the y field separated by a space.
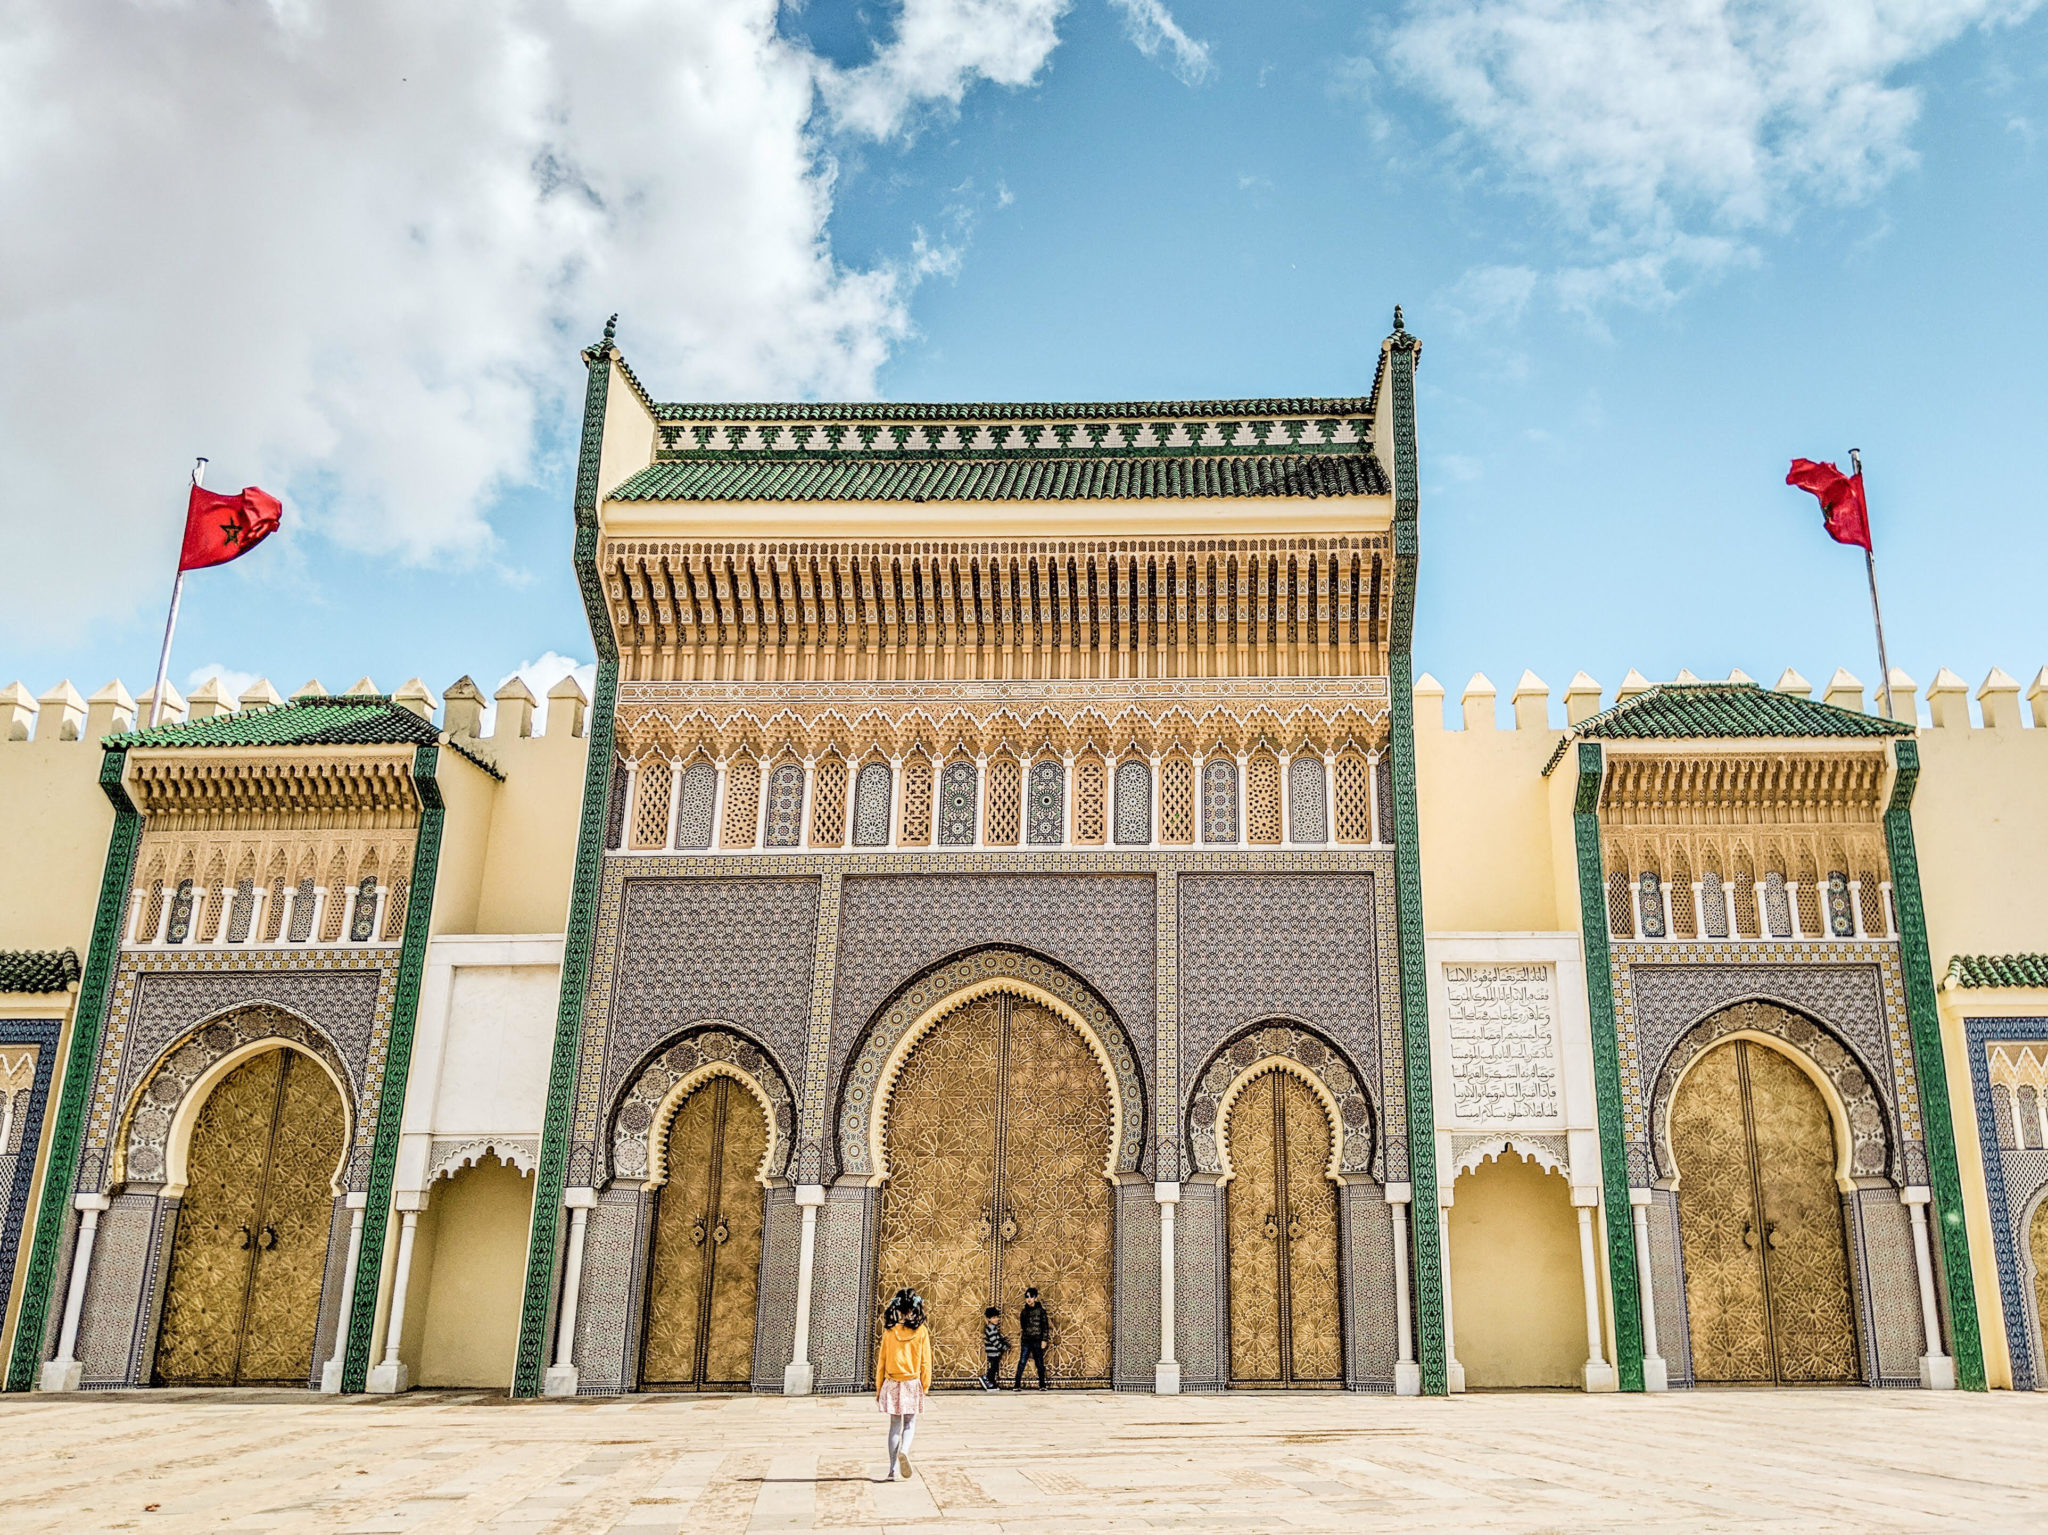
pixel 1398 326
pixel 612 325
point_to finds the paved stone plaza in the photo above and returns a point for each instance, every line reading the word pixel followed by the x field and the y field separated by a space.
pixel 456 1461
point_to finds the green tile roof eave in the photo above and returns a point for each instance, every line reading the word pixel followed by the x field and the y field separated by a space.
pixel 1740 711
pixel 1032 410
pixel 26 972
pixel 354 719
pixel 1122 478
pixel 1981 971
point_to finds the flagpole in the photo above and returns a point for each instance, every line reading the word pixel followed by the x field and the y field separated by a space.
pixel 163 661
pixel 1876 612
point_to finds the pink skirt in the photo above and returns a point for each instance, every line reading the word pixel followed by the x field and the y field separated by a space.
pixel 901 1396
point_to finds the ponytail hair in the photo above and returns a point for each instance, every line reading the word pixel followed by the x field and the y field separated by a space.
pixel 907 1307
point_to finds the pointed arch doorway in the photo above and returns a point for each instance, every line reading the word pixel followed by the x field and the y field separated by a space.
pixel 250 1250
pixel 1280 1210
pixel 1760 1223
pixel 998 1138
pixel 703 1280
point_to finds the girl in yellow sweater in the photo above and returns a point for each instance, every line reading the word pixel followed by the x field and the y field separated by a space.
pixel 903 1374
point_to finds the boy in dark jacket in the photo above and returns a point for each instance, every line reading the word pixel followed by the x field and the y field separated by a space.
pixel 1034 1331
pixel 994 1345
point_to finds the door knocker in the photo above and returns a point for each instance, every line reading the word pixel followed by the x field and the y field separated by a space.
pixel 719 1233
pixel 1294 1228
pixel 1009 1226
pixel 697 1231
pixel 988 1225
pixel 1272 1229
pixel 269 1238
pixel 242 1241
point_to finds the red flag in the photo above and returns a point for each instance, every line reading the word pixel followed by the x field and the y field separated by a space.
pixel 220 528
pixel 1842 508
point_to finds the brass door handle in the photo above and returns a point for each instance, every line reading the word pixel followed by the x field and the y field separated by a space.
pixel 1293 1229
pixel 697 1232
pixel 1748 1231
pixel 268 1239
pixel 1771 1235
pixel 243 1240
pixel 1272 1229
pixel 1009 1226
pixel 719 1233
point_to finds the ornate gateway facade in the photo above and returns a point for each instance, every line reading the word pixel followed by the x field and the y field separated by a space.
pixel 1009 846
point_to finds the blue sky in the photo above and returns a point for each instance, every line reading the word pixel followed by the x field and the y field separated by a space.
pixel 1649 265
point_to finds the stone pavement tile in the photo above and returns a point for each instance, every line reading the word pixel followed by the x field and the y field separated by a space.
pixel 789 1495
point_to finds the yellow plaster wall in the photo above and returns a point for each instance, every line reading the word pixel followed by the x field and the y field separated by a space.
pixel 469 1272
pixel 470 796
pixel 53 841
pixel 629 435
pixel 531 858
pixel 1518 1310
pixel 1485 816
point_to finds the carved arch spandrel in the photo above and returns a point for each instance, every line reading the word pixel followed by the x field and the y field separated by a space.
pixel 675 1069
pixel 922 1003
pixel 157 1120
pixel 1862 1127
pixel 1283 1044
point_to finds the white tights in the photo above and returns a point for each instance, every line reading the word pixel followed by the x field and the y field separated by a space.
pixel 902 1425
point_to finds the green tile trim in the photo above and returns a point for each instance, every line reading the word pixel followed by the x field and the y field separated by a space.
pixel 60 1171
pixel 405 1008
pixel 1624 1283
pixel 37 971
pixel 530 1364
pixel 1924 1017
pixel 1425 1221
pixel 1998 970
pixel 1093 410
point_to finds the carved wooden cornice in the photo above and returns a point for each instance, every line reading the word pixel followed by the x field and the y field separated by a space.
pixel 1745 787
pixel 341 788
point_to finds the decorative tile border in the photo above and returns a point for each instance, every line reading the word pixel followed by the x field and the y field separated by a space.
pixel 2012 1180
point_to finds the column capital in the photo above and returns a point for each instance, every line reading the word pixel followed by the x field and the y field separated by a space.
pixel 579 1199
pixel 810 1195
pixel 356 1199
pixel 1166 1193
pixel 92 1202
pixel 1638 1196
pixel 1400 1193
pixel 1915 1194
pixel 1586 1195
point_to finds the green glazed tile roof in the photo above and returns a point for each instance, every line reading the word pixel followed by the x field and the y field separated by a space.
pixel 355 719
pixel 1975 970
pixel 37 969
pixel 1693 711
pixel 1299 405
pixel 1013 478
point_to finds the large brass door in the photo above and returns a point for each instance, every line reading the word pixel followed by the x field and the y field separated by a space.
pixel 1760 1223
pixel 705 1273
pixel 2037 1246
pixel 250 1249
pixel 999 1131
pixel 1281 1220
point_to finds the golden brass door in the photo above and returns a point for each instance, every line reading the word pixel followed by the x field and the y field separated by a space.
pixel 998 1132
pixel 704 1274
pixel 1760 1223
pixel 250 1249
pixel 2037 1245
pixel 1281 1223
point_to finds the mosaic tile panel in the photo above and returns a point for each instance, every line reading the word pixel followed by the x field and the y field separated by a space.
pixel 1200 1287
pixel 786 805
pixel 956 805
pixel 1133 803
pixel 1314 948
pixel 1371 1339
pixel 775 1324
pixel 682 951
pixel 1137 1286
pixel 841 1291
pixel 1219 800
pixel 1667 1288
pixel 699 802
pixel 28 1056
pixel 1307 814
pixel 613 1240
pixel 114 1289
pixel 642 1099
pixel 871 806
pixel 1891 1284
pixel 2013 1181
pixel 1045 818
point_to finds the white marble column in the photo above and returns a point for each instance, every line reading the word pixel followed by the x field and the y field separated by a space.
pixel 391 1376
pixel 563 1375
pixel 1454 1373
pixel 65 1372
pixel 1937 1369
pixel 330 1372
pixel 1599 1374
pixel 1166 1374
pixel 796 1375
pixel 1407 1372
pixel 1656 1377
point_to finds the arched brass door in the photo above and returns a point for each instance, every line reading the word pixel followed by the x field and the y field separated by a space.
pixel 1281 1217
pixel 250 1249
pixel 998 1132
pixel 705 1274
pixel 2037 1245
pixel 1760 1223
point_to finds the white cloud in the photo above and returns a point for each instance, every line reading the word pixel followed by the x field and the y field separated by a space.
pixel 348 248
pixel 539 676
pixel 1669 134
pixel 939 49
pixel 236 683
pixel 1152 28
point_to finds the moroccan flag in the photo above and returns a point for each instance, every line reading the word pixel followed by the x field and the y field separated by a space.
pixel 220 528
pixel 1842 508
